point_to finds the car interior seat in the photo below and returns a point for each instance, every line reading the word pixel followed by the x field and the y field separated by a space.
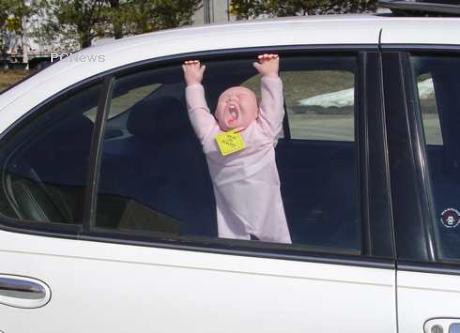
pixel 161 166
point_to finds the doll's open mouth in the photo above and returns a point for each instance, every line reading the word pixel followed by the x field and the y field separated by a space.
pixel 233 114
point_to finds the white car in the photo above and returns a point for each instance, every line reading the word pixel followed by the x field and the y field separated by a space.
pixel 108 218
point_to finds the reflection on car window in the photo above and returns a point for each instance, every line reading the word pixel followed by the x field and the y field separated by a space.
pixel 438 91
pixel 154 177
pixel 429 110
pixel 122 103
pixel 320 103
pixel 45 163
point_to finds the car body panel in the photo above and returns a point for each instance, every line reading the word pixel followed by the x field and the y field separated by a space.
pixel 98 286
pixel 423 296
pixel 426 31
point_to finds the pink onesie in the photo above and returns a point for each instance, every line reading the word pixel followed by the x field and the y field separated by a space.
pixel 246 183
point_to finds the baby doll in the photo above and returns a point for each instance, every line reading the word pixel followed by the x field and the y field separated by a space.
pixel 246 182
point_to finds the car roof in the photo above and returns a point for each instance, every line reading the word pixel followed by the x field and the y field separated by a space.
pixel 312 30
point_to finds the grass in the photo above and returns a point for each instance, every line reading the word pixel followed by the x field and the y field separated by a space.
pixel 341 127
pixel 11 76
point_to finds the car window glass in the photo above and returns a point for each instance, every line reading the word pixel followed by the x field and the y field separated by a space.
pixel 319 103
pixel 438 87
pixel 155 178
pixel 44 163
pixel 122 103
pixel 429 110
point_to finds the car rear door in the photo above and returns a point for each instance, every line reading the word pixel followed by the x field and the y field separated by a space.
pixel 107 251
pixel 421 107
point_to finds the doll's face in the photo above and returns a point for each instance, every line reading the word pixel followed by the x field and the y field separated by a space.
pixel 236 108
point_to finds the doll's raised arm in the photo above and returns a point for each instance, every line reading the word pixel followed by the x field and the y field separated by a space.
pixel 202 120
pixel 272 104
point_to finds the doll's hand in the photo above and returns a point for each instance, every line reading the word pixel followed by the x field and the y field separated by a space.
pixel 268 64
pixel 193 72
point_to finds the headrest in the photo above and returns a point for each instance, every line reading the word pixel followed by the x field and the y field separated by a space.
pixel 157 117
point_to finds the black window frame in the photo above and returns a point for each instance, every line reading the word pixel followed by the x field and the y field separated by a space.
pixel 370 138
pixel 415 238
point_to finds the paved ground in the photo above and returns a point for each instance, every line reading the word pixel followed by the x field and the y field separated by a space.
pixel 341 127
pixel 318 127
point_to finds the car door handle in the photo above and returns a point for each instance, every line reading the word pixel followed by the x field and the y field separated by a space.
pixel 442 325
pixel 23 292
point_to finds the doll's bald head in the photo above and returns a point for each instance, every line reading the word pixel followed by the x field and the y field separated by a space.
pixel 236 108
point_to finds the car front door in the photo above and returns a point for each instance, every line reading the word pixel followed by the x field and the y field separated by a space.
pixel 129 243
pixel 421 104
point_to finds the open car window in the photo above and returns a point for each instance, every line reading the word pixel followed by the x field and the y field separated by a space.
pixel 155 179
pixel 319 102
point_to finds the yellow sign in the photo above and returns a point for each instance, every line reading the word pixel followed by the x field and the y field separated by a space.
pixel 229 142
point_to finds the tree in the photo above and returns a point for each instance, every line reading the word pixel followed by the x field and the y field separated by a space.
pixel 354 6
pixel 245 9
pixel 13 14
pixel 82 15
pixel 151 15
pixel 116 18
pixel 51 33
